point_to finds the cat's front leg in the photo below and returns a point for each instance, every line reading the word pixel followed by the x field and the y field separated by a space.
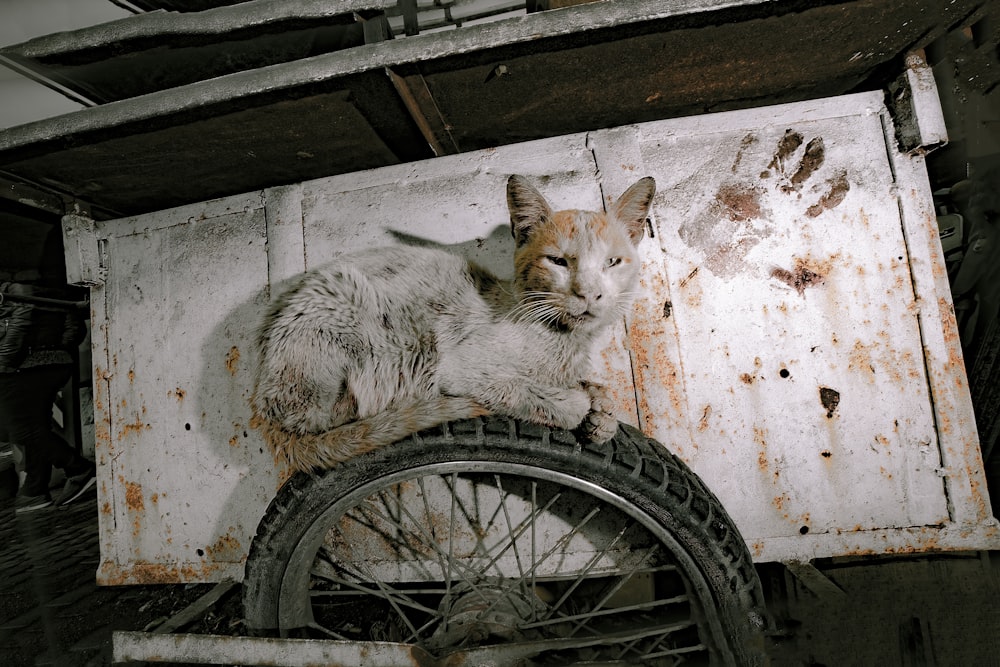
pixel 600 425
pixel 565 408
pixel 559 407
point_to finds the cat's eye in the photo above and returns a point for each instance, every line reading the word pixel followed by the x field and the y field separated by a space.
pixel 558 261
pixel 613 261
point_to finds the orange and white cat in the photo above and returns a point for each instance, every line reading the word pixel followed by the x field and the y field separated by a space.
pixel 382 343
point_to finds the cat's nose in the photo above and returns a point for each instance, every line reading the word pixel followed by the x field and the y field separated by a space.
pixel 589 298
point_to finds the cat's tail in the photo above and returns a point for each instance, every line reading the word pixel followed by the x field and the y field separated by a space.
pixel 311 452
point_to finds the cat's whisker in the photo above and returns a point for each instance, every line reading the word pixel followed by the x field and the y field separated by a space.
pixel 538 306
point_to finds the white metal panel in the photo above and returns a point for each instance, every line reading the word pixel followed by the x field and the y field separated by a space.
pixel 183 480
pixel 807 381
pixel 793 340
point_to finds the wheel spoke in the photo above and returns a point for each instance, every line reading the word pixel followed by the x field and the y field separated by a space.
pixel 641 566
pixel 510 529
pixel 590 615
pixel 594 560
pixel 453 565
pixel 384 592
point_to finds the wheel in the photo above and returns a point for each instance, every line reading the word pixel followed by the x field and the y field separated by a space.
pixel 491 541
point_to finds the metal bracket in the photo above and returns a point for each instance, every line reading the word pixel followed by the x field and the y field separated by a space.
pixel 916 107
pixel 85 265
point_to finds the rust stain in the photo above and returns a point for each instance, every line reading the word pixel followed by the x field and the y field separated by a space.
pixel 800 277
pixel 134 427
pixel 779 503
pixel 232 360
pixel 154 573
pixel 830 398
pixel 860 360
pixel 131 375
pixel 177 393
pixel 705 414
pixel 226 548
pixel 656 373
pixel 746 378
pixel 102 417
pixel 760 437
pixel 133 496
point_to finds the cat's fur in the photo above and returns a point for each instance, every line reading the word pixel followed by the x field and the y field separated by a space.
pixel 382 343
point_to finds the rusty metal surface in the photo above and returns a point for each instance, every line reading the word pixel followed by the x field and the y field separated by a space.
pixel 793 340
pixel 181 482
pixel 788 263
pixel 582 68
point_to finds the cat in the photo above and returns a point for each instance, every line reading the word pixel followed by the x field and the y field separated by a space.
pixel 384 342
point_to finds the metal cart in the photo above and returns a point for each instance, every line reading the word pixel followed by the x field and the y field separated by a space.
pixel 793 344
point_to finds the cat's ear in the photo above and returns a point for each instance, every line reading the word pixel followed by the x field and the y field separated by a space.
pixel 528 208
pixel 632 208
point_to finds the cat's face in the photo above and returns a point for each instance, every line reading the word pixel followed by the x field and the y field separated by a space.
pixel 576 270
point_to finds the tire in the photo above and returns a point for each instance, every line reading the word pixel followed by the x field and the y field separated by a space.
pixel 506 543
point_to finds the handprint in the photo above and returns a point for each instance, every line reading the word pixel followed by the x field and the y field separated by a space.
pixel 737 215
pixel 811 160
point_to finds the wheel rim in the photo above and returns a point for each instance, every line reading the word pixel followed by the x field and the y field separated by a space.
pixel 458 555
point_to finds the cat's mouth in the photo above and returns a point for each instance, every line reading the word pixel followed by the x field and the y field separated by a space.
pixel 571 321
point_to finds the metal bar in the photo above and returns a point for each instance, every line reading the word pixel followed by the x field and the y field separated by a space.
pixel 215 649
pixel 196 609
pixel 814 580
pixel 416 108
pixel 409 11
pixel 57 304
pixel 227 89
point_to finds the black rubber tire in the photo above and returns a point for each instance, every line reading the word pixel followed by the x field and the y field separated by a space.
pixel 635 467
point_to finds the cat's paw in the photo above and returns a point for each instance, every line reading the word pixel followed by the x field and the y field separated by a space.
pixel 600 425
pixel 569 408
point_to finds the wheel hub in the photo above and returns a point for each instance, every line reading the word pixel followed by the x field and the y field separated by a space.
pixel 474 615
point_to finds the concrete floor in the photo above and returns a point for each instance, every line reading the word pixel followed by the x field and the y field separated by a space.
pixel 924 611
